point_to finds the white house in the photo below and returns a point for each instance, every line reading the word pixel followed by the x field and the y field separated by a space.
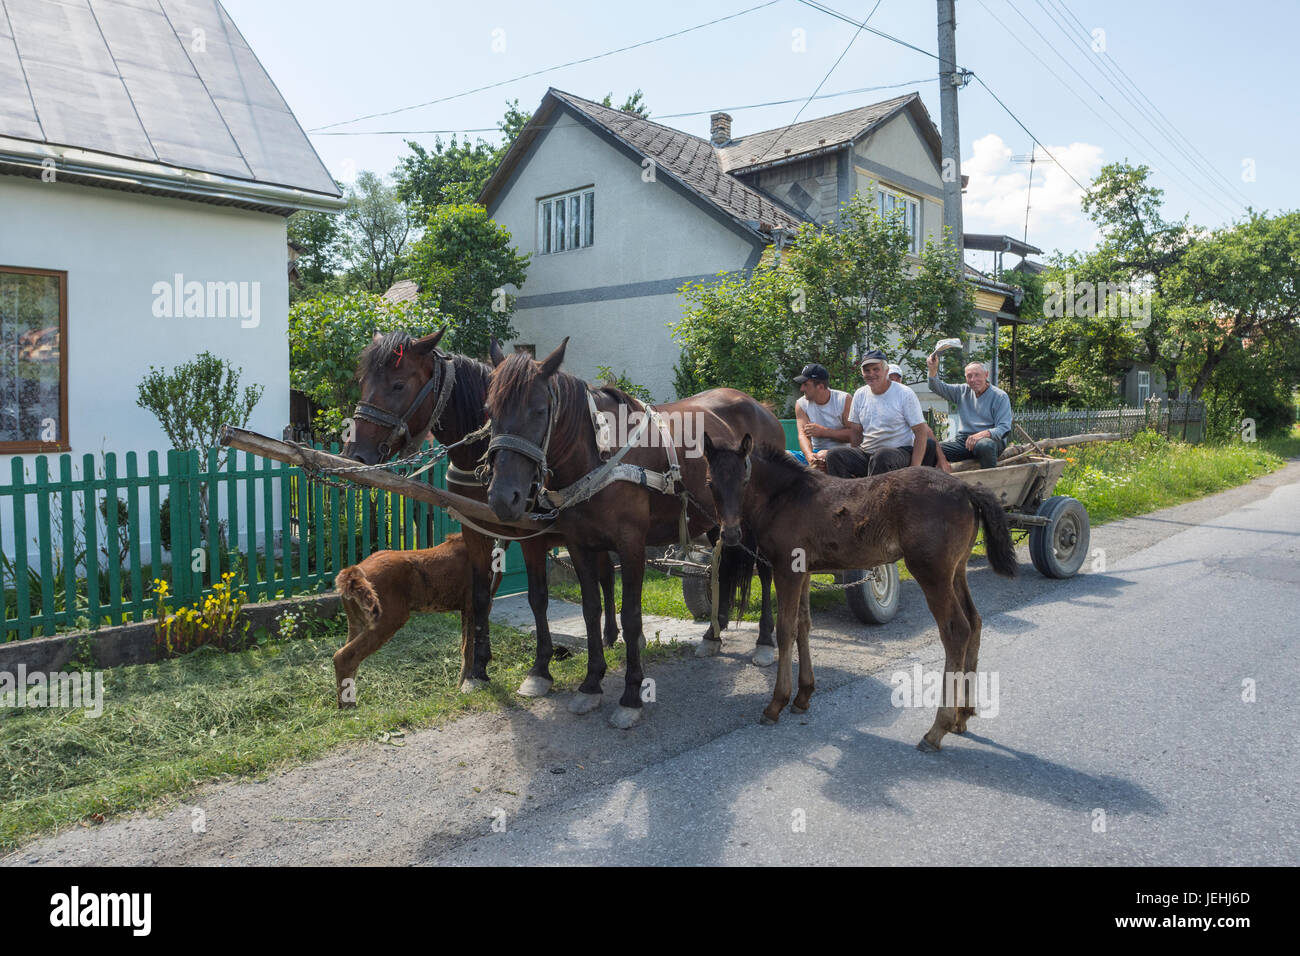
pixel 147 168
pixel 620 211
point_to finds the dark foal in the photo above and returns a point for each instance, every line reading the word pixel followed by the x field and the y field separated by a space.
pixel 401 380
pixel 807 521
pixel 380 594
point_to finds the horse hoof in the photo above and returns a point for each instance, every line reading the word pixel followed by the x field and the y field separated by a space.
pixel 624 717
pixel 611 639
pixel 471 684
pixel 796 709
pixel 534 686
pixel 708 648
pixel 764 655
pixel 926 747
pixel 766 721
pixel 585 703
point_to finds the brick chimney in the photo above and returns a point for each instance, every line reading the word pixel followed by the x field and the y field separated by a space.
pixel 720 129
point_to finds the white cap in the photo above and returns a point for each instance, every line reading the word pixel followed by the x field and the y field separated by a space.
pixel 894 370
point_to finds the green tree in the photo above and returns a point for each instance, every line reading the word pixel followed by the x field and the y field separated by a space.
pixel 328 333
pixel 194 399
pixel 634 104
pixel 319 236
pixel 463 263
pixel 838 290
pixel 376 226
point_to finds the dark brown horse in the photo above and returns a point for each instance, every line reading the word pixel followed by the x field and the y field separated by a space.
pixel 543 434
pixel 807 521
pixel 402 380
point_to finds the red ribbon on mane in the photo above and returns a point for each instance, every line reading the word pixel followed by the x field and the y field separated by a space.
pixel 399 352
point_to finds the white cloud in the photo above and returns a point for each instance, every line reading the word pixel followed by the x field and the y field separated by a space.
pixel 995 197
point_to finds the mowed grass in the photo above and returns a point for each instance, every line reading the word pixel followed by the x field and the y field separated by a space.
pixel 1113 480
pixel 170 726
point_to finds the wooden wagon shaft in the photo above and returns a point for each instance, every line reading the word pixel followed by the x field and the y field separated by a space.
pixel 1015 454
pixel 292 454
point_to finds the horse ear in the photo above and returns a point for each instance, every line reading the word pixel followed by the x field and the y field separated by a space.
pixel 430 342
pixel 494 351
pixel 376 339
pixel 746 444
pixel 708 446
pixel 552 361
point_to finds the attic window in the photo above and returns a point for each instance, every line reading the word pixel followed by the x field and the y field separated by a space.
pixel 887 201
pixel 566 222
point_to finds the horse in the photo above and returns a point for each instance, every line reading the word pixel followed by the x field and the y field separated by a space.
pixel 409 387
pixel 545 434
pixel 807 521
pixel 380 593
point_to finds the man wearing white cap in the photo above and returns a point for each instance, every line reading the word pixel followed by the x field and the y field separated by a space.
pixel 889 430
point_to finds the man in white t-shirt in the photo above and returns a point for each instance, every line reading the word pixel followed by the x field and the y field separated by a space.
pixel 889 429
pixel 822 414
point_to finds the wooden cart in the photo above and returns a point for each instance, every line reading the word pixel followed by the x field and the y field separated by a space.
pixel 1057 526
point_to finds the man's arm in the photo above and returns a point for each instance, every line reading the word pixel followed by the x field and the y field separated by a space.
pixel 1002 416
pixel 801 423
pixel 952 393
pixel 920 433
pixel 849 417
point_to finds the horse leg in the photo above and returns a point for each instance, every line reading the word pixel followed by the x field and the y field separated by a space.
pixel 800 704
pixel 972 662
pixel 364 638
pixel 788 586
pixel 629 706
pixel 953 632
pixel 710 644
pixel 765 648
pixel 589 696
pixel 538 682
pixel 607 592
pixel 475 654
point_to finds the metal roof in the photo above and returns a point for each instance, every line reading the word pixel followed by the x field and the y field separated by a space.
pixel 164 89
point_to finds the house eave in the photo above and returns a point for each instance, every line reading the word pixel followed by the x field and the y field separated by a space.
pixel 786 160
pixel 86 167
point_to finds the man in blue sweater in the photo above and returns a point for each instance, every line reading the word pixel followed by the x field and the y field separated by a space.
pixel 985 412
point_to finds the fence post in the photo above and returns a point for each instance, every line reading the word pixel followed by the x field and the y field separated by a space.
pixel 46 556
pixel 22 586
pixel 91 528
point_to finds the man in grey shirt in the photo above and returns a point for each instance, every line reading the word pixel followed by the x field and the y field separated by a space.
pixel 985 412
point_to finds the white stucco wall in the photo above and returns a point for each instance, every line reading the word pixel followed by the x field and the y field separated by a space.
pixel 897 146
pixel 114 247
pixel 644 232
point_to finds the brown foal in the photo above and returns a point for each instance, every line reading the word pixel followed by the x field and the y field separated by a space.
pixel 381 592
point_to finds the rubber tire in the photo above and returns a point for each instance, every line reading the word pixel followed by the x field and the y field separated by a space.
pixel 869 606
pixel 1065 515
pixel 696 592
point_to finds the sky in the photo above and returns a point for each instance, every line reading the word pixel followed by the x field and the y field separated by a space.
pixel 1215 84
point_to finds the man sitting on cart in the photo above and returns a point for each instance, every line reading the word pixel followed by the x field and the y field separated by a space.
pixel 985 412
pixel 821 414
pixel 889 430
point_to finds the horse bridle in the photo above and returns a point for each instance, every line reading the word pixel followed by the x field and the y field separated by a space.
pixel 398 424
pixel 534 453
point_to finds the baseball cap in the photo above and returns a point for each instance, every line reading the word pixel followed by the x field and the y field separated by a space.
pixel 813 371
pixel 875 355
pixel 894 370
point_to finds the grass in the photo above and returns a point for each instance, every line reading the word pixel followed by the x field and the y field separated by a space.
pixel 169 726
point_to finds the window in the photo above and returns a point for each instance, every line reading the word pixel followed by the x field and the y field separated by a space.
pixel 1144 387
pixel 33 362
pixel 887 202
pixel 566 222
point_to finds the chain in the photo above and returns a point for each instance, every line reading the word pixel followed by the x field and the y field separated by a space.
pixel 420 457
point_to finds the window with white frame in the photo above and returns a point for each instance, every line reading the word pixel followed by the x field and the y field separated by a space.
pixel 1144 386
pixel 566 222
pixel 887 202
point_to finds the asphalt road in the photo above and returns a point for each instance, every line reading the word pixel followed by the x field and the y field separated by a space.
pixel 1119 692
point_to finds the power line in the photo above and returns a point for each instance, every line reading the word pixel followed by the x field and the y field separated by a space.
pixel 822 8
pixel 980 80
pixel 1171 164
pixel 550 69
pixel 1116 69
pixel 725 109
pixel 857 33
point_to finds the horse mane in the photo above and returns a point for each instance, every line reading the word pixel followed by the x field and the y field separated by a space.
pixel 514 377
pixel 787 475
pixel 382 352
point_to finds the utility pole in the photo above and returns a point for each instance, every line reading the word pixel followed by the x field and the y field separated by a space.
pixel 950 80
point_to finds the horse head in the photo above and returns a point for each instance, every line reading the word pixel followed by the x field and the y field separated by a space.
pixel 523 402
pixel 401 380
pixel 728 474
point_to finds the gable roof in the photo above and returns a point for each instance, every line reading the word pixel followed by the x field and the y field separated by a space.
pixel 164 93
pixel 828 133
pixel 689 160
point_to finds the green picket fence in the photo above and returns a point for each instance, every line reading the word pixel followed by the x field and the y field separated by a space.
pixel 78 561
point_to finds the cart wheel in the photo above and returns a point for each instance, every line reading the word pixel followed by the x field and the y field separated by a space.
pixel 1059 548
pixel 875 600
pixel 697 595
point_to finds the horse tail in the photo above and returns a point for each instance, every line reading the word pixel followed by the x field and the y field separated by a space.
pixel 735 575
pixel 997 532
pixel 354 586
